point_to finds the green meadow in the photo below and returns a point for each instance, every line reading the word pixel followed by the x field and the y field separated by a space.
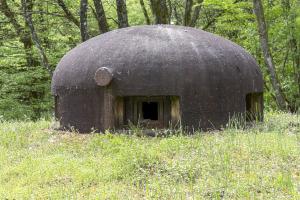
pixel 257 162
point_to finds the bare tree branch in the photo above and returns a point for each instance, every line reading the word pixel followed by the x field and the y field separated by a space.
pixel 68 13
pixel 25 37
pixel 145 12
pixel 196 13
pixel 11 16
pixel 28 18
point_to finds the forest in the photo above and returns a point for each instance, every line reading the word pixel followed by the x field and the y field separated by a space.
pixel 35 35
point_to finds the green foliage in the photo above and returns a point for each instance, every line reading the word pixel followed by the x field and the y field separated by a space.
pixel 237 23
pixel 261 162
pixel 25 88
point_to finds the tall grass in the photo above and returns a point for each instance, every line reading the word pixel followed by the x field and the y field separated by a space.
pixel 257 162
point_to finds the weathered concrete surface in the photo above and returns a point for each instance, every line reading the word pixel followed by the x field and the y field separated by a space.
pixel 210 74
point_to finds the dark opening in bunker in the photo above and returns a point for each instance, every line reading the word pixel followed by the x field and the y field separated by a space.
pixel 150 110
pixel 56 102
pixel 254 107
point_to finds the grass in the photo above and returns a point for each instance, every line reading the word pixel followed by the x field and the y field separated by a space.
pixel 262 162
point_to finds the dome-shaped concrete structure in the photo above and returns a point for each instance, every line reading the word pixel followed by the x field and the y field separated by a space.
pixel 157 76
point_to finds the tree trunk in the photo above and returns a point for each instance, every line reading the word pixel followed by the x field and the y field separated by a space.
pixel 263 34
pixel 122 13
pixel 101 17
pixel 160 11
pixel 145 12
pixel 28 18
pixel 296 60
pixel 170 10
pixel 177 16
pixel 187 12
pixel 196 13
pixel 68 13
pixel 83 20
pixel 21 31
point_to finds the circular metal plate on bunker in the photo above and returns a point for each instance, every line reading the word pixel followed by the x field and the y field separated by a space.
pixel 103 76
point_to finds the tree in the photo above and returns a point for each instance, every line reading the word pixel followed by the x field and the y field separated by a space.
pixel 187 12
pixel 145 12
pixel 68 13
pixel 28 18
pixel 122 14
pixel 101 17
pixel 160 11
pixel 83 20
pixel 196 13
pixel 21 31
pixel 263 35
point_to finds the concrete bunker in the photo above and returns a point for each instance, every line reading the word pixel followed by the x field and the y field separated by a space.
pixel 159 76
